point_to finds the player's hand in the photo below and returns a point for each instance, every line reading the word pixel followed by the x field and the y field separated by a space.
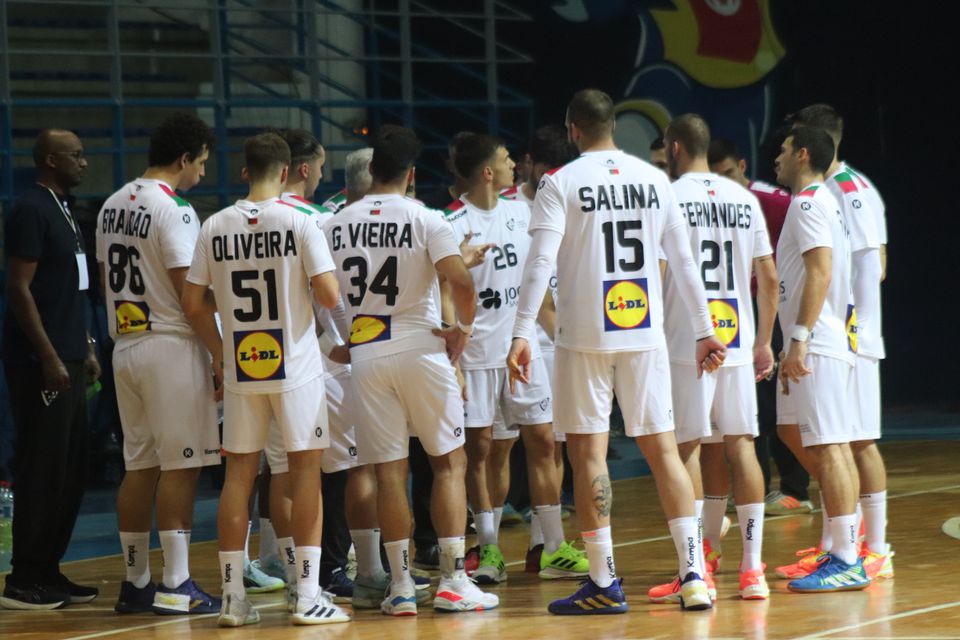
pixel 462 382
pixel 456 342
pixel 340 354
pixel 474 254
pixel 784 382
pixel 710 355
pixel 762 361
pixel 55 375
pixel 793 366
pixel 217 366
pixel 91 367
pixel 518 363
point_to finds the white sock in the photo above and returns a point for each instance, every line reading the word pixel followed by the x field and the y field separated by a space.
pixel 268 542
pixel 231 571
pixel 246 544
pixel 497 516
pixel 136 555
pixel 826 538
pixel 859 514
pixel 536 533
pixel 176 557
pixel 714 507
pixel 844 531
pixel 874 521
pixel 451 558
pixel 486 534
pixel 599 545
pixel 288 556
pixel 308 572
pixel 398 555
pixel 750 517
pixel 366 544
pixel 686 539
pixel 551 524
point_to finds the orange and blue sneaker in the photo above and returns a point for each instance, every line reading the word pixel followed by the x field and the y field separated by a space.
pixel 591 600
pixel 566 562
pixel 670 592
pixel 877 565
pixel 186 598
pixel 711 558
pixel 753 584
pixel 810 559
pixel 833 574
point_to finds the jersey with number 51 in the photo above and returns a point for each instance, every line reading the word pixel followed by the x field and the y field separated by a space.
pixel 259 258
pixel 385 248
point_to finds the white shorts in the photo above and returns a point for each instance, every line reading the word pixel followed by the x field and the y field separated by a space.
pixel 298 416
pixel 585 384
pixel 820 402
pixel 342 452
pixel 414 393
pixel 866 383
pixel 725 402
pixel 165 398
pixel 548 355
pixel 489 397
pixel 502 431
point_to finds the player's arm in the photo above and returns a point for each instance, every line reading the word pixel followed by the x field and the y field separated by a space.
pixel 464 297
pixel 547 317
pixel 868 266
pixel 196 303
pixel 883 262
pixel 818 265
pixel 326 289
pixel 768 284
pixel 448 311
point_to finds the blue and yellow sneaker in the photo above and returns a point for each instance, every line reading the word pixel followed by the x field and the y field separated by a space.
pixel 833 575
pixel 592 600
pixel 187 598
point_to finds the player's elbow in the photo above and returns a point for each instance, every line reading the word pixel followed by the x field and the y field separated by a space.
pixel 327 291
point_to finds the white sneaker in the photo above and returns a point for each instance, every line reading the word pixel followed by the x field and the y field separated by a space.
pixel 460 594
pixel 235 612
pixel 319 610
pixel 272 567
pixel 292 597
pixel 400 600
pixel 257 581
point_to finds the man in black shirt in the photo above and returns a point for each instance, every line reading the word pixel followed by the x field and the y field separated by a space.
pixel 49 360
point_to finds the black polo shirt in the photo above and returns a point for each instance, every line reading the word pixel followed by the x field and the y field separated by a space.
pixel 36 229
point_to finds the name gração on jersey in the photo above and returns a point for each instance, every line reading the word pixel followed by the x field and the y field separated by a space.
pixel 618 197
pixel 133 223
pixel 717 215
pixel 374 235
pixel 259 245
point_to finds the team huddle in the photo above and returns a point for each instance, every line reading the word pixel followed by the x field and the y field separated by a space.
pixel 337 332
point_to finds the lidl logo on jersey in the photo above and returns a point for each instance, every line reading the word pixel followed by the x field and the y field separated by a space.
pixel 367 329
pixel 625 305
pixel 132 317
pixel 851 326
pixel 259 355
pixel 725 315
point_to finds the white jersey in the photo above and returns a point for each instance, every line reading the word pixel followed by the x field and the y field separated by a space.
pixel 497 279
pixel 259 258
pixel 612 209
pixel 143 230
pixel 385 248
pixel 814 219
pixel 864 212
pixel 727 232
pixel 516 193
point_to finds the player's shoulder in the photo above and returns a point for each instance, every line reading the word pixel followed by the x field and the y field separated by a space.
pixel 456 210
pixel 161 192
pixel 510 193
pixel 814 198
pixel 760 188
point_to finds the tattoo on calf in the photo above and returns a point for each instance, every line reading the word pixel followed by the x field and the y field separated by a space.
pixel 602 495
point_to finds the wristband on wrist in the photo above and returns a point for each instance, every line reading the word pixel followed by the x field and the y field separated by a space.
pixel 466 328
pixel 799 333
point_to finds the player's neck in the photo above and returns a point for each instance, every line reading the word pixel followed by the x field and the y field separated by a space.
pixel 834 166
pixel 695 165
pixel 603 144
pixel 164 174
pixel 743 181
pixel 529 190
pixel 482 196
pixel 388 188
pixel 804 180
pixel 296 189
pixel 260 191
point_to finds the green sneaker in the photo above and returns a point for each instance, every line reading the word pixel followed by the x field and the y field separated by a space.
pixel 566 562
pixel 492 569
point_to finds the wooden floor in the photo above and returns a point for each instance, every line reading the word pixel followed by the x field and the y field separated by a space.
pixel 921 602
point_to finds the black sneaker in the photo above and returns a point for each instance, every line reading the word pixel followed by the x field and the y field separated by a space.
pixel 35 597
pixel 78 593
pixel 134 600
pixel 427 558
pixel 340 585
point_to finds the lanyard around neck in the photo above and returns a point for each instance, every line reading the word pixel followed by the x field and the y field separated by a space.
pixel 66 216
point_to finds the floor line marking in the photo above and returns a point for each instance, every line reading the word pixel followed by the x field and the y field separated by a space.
pixel 896 616
pixel 153 625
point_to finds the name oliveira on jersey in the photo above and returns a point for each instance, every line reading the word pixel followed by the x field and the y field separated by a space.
pixel 259 245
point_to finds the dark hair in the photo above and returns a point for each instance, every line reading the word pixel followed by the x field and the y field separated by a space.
pixel 473 152
pixel 456 139
pixel 721 149
pixel 179 134
pixel 822 116
pixel 549 145
pixel 817 142
pixel 265 153
pixel 592 111
pixel 395 150
pixel 691 131
pixel 657 144
pixel 304 147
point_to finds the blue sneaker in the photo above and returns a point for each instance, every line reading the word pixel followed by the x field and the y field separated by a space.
pixel 339 585
pixel 592 600
pixel 833 575
pixel 187 598
pixel 134 600
pixel 420 581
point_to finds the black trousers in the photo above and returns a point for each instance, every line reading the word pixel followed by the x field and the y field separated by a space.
pixel 50 464
pixel 336 533
pixel 424 535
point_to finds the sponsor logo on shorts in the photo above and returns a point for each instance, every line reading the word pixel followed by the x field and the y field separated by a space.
pixel 458 432
pixel 132 317
pixel 725 315
pixel 367 329
pixel 259 355
pixel 626 305
pixel 211 451
pixel 352 451
pixel 319 432
pixel 188 453
pixel 851 326
pixel 545 404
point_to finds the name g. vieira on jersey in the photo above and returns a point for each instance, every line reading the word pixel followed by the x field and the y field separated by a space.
pixel 128 223
pixel 259 245
pixel 388 235
pixel 612 197
pixel 712 214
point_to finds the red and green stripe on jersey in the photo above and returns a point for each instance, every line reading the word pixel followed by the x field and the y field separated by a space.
pixel 305 205
pixel 453 207
pixel 181 202
pixel 847 182
pixel 809 191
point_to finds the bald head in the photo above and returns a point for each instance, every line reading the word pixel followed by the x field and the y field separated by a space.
pixel 51 141
pixel 58 157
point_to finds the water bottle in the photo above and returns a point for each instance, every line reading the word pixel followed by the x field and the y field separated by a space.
pixel 6 525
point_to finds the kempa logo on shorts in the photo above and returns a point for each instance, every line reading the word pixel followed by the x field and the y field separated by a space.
pixel 319 432
pixel 211 451
pixel 188 453
pixel 458 432
pixel 352 451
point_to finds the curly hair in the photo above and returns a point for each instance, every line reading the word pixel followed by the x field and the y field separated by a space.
pixel 179 134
